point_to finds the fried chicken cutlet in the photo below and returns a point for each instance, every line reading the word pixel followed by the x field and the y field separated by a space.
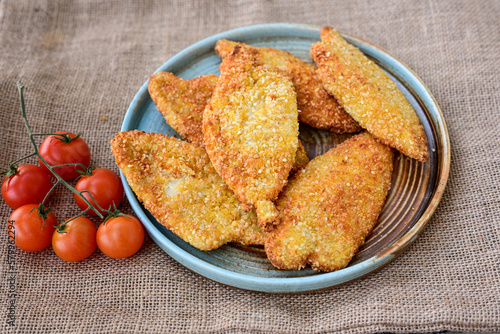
pixel 368 95
pixel 301 159
pixel 177 183
pixel 251 131
pixel 317 108
pixel 182 102
pixel 330 207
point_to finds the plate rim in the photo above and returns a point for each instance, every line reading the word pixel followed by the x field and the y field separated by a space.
pixel 324 280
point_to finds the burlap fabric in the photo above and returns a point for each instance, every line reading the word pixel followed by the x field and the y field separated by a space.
pixel 82 60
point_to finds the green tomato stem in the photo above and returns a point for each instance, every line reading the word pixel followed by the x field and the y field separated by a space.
pixel 92 198
pixel 114 214
pixel 65 137
pixel 42 160
pixel 49 192
pixel 66 165
pixel 25 157
pixel 48 134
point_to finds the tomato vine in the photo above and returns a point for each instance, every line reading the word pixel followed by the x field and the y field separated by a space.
pixel 59 180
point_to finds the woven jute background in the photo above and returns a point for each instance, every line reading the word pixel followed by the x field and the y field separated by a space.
pixel 82 60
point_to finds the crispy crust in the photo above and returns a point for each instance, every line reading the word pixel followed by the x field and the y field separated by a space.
pixel 251 130
pixel 178 99
pixel 317 108
pixel 301 159
pixel 176 182
pixel 330 207
pixel 181 102
pixel 368 95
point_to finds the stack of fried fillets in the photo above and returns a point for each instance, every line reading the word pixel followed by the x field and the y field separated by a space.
pixel 242 175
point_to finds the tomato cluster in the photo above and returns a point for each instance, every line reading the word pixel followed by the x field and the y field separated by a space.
pixel 26 188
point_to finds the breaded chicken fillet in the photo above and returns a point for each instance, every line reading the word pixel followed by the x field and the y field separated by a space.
pixel 181 102
pixel 251 131
pixel 369 95
pixel 176 182
pixel 317 108
pixel 301 159
pixel 330 207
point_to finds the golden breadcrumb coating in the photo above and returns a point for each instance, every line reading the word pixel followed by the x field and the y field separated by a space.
pixel 301 159
pixel 330 207
pixel 176 182
pixel 317 108
pixel 181 102
pixel 184 101
pixel 251 131
pixel 369 95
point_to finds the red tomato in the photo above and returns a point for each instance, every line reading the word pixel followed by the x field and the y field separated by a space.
pixel 105 187
pixel 76 240
pixel 28 185
pixel 120 237
pixel 31 232
pixel 59 152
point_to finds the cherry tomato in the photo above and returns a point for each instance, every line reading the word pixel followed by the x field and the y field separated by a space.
pixel 76 240
pixel 28 185
pixel 59 150
pixel 120 237
pixel 31 232
pixel 105 187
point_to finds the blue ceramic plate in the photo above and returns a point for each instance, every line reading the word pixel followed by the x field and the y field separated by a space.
pixel 415 192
